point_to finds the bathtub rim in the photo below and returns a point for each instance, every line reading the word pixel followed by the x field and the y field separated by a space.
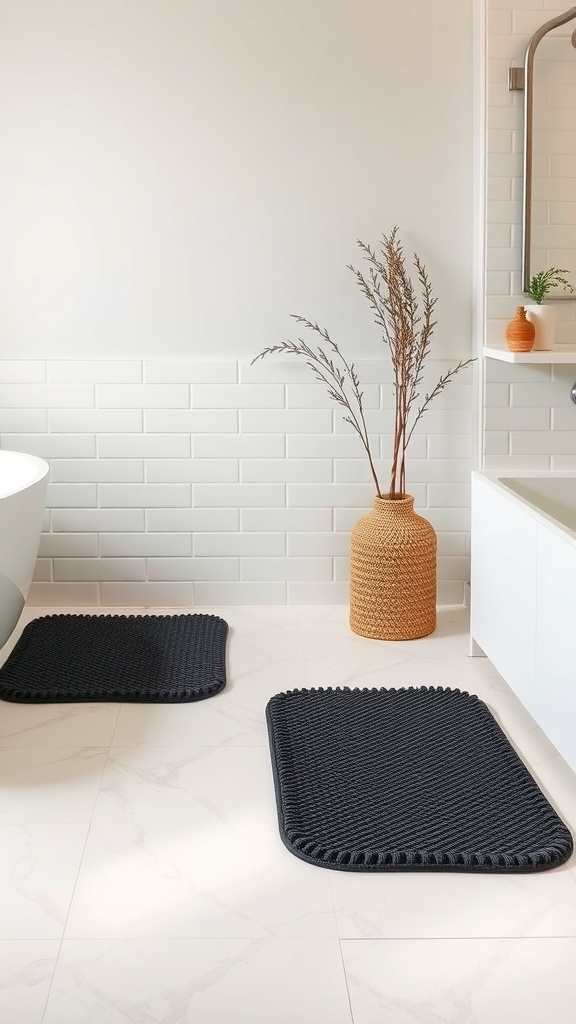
pixel 495 478
pixel 36 470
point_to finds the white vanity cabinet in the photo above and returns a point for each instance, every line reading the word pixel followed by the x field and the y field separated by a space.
pixel 555 709
pixel 523 606
pixel 503 587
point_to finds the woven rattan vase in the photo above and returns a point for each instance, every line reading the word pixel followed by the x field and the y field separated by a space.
pixel 393 572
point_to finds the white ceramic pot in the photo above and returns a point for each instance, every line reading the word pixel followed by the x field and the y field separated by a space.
pixel 544 319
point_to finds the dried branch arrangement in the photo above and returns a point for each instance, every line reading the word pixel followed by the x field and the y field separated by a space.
pixel 406 322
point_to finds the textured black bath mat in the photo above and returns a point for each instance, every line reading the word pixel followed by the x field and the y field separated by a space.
pixel 417 779
pixel 164 659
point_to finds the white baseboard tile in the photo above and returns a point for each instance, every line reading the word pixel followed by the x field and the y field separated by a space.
pixel 258 592
pixel 75 595
pixel 43 570
pixel 333 592
pixel 450 592
pixel 148 595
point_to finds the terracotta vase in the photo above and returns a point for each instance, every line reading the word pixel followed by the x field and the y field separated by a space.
pixel 520 333
pixel 393 572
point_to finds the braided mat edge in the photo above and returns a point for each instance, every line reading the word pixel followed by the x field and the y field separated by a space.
pixel 166 659
pixel 408 779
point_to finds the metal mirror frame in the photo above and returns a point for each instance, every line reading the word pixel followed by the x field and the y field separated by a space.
pixel 528 85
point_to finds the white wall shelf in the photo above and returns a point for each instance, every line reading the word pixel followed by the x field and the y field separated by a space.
pixel 558 355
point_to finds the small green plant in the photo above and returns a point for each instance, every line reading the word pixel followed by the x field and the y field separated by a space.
pixel 542 283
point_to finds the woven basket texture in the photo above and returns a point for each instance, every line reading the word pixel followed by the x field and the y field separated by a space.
pixel 165 659
pixel 408 779
pixel 393 572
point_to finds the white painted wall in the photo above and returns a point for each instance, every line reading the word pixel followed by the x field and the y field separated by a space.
pixel 180 176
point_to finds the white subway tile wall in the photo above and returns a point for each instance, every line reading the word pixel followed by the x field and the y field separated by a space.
pixel 177 484
pixel 530 421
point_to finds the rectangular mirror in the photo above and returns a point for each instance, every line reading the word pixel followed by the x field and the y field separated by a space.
pixel 550 151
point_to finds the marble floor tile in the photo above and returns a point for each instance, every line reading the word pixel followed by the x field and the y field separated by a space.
pixel 451 635
pixel 483 674
pixel 416 905
pixel 51 784
pixel 317 614
pixel 38 869
pixel 558 783
pixel 522 731
pixel 57 725
pixel 266 647
pixel 194 784
pixel 339 642
pixel 251 685
pixel 394 671
pixel 221 720
pixel 247 619
pixel 235 717
pixel 26 970
pixel 472 981
pixel 207 981
pixel 452 671
pixel 196 880
pixel 345 670
pixel 147 835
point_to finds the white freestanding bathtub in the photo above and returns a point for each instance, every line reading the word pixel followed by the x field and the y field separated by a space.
pixel 23 480
pixel 523 592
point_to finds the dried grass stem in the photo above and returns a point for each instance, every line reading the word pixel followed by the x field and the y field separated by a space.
pixel 406 322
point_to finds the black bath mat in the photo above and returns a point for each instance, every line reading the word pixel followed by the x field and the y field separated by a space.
pixel 417 779
pixel 164 659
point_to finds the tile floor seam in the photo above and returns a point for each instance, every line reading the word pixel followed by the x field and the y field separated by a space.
pixel 61 941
